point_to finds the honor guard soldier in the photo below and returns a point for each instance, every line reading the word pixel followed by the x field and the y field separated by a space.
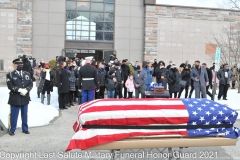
pixel 19 83
pixel 88 80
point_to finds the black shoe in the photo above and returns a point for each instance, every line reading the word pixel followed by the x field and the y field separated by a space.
pixel 72 104
pixel 11 133
pixel 61 108
pixel 26 132
pixel 65 108
pixel 219 99
pixel 224 98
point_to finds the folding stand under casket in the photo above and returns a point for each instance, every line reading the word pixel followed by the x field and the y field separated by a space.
pixel 171 141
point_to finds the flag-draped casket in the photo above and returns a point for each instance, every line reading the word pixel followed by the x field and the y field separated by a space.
pixel 108 120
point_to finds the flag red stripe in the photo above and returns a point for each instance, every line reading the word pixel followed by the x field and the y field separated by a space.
pixel 126 100
pixel 132 107
pixel 103 139
pixel 139 121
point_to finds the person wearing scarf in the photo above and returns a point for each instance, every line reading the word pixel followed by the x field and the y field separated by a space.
pixel 46 83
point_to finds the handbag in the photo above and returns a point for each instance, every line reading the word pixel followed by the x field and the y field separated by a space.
pixel 182 83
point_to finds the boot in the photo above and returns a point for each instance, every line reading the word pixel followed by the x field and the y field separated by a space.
pixel 42 99
pixel 38 93
pixel 48 99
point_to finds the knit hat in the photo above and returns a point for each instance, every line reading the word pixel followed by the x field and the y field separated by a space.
pixel 144 63
pixel 46 65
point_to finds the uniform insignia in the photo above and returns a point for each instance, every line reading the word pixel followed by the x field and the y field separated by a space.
pixel 27 77
pixel 15 78
pixel 8 80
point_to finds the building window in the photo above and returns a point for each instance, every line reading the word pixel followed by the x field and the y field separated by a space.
pixel 1 64
pixel 91 20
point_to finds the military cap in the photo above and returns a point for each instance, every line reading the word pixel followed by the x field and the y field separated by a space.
pixel 17 61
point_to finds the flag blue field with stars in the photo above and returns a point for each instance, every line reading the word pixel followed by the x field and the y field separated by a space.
pixel 206 112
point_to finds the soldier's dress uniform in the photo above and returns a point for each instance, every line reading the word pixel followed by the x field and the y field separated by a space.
pixel 88 82
pixel 18 80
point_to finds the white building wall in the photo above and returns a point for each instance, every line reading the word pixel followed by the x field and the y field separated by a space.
pixel 129 29
pixel 48 28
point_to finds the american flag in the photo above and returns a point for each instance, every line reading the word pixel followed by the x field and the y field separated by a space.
pixel 149 112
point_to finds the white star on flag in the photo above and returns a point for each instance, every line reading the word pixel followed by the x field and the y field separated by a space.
pixel 199 129
pixel 186 99
pixel 195 102
pixel 199 99
pixel 214 118
pixel 207 132
pixel 207 123
pixel 208 102
pixel 212 129
pixel 208 113
pixel 212 108
pixel 219 123
pixel 204 105
pixel 190 105
pixel 195 113
pixel 227 132
pixel 225 108
pixel 201 119
pixel 221 113
pixel 194 123
pixel 236 130
pixel 226 118
pixel 234 113
pixel 216 105
pixel 199 108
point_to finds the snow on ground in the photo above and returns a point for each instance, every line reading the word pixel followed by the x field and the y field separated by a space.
pixel 38 114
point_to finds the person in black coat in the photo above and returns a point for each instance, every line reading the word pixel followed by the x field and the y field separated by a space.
pixel 186 77
pixel 88 81
pixel 161 74
pixel 20 84
pixel 209 72
pixel 102 79
pixel 46 83
pixel 120 79
pixel 62 84
pixel 173 78
pixel 154 65
pixel 192 87
pixel 126 72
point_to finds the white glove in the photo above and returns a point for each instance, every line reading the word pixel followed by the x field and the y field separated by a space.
pixel 23 92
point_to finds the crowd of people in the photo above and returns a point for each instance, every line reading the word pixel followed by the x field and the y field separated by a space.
pixel 84 80
pixel 120 78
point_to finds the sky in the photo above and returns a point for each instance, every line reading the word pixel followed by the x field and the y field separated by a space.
pixel 197 3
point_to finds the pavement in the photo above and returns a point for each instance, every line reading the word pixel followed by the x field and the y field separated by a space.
pixel 50 142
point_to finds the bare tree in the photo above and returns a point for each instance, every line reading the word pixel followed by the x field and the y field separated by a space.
pixel 229 42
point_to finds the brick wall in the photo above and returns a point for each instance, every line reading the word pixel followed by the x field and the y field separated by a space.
pixel 162 21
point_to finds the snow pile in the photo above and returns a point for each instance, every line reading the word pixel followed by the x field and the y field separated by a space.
pixel 38 114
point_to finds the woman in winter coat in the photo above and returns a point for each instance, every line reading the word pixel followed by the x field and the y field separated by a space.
pixel 46 83
pixel 173 79
pixel 149 75
pixel 72 82
pixel 62 84
pixel 185 74
pixel 161 74
pixel 37 77
pixel 130 86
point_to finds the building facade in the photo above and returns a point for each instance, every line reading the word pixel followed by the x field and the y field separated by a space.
pixel 133 29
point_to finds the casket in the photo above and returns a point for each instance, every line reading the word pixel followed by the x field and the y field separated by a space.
pixel 141 123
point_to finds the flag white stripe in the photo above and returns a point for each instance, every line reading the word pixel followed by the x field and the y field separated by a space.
pixel 85 117
pixel 132 103
pixel 86 134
